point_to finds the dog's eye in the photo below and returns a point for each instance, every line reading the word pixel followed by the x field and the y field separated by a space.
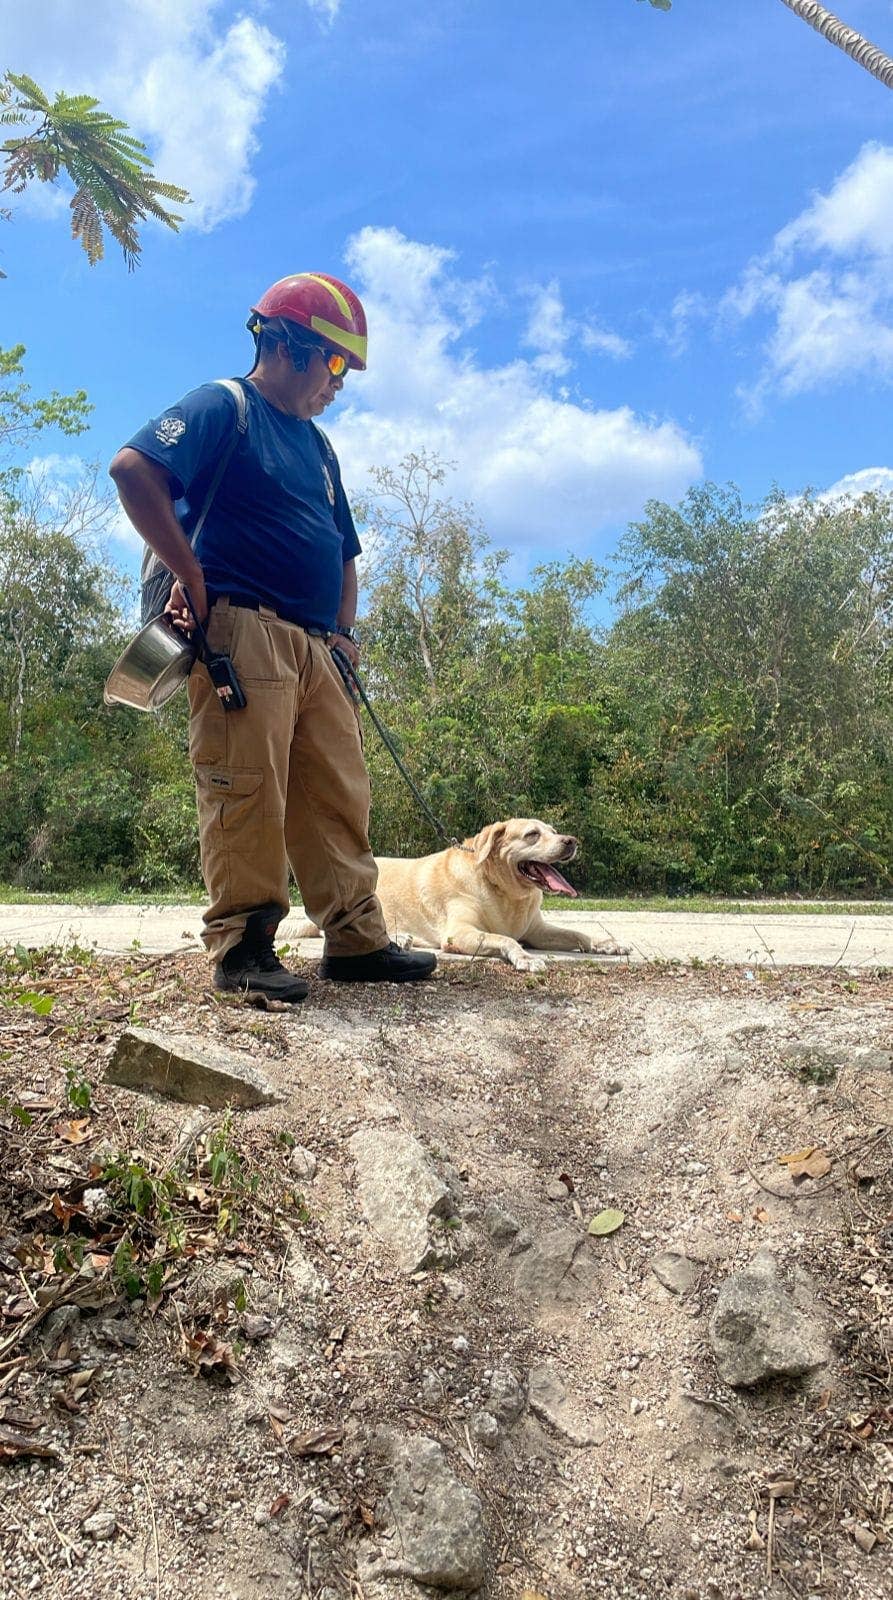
pixel 532 833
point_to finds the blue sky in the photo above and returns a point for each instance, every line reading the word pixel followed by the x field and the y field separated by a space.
pixel 606 252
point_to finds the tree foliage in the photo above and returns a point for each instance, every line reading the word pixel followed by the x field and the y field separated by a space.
pixel 114 183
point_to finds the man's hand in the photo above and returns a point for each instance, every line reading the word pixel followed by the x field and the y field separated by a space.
pixel 177 612
pixel 337 641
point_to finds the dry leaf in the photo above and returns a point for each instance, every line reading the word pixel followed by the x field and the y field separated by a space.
pixel 796 1156
pixel 734 1216
pixel 75 1132
pixel 279 1504
pixel 367 1516
pixel 761 1214
pixel 317 1442
pixel 14 1445
pixel 816 1165
pixel 206 1353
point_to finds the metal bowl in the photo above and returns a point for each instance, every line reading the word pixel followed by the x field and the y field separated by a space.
pixel 151 669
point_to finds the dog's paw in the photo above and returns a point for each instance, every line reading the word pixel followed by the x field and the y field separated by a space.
pixel 609 948
pixel 522 962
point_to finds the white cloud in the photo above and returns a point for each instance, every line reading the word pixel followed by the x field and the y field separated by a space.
pixel 687 308
pixel 831 319
pixel 550 331
pixel 189 83
pixel 539 466
pixel 868 480
pixel 326 10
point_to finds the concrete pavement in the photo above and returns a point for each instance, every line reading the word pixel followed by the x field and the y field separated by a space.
pixel 737 939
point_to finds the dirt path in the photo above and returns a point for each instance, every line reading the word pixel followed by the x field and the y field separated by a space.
pixel 825 940
pixel 619 1464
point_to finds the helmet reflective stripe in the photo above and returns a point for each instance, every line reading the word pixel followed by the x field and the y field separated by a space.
pixel 339 336
pixel 336 294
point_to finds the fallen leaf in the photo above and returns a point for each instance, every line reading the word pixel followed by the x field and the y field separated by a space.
pixel 761 1214
pixel 77 1131
pixel 606 1222
pixel 206 1353
pixel 14 1445
pixel 279 1504
pixel 734 1216
pixel 796 1156
pixel 815 1165
pixel 367 1516
pixel 567 1180
pixel 317 1442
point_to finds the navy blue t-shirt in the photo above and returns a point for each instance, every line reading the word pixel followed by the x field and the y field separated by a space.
pixel 279 529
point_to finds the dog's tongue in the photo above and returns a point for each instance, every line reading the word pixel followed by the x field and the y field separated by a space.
pixel 552 880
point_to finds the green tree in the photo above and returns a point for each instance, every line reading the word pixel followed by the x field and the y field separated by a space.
pixel 114 182
pixel 836 32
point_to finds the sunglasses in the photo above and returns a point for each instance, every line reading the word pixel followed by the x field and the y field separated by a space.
pixel 335 361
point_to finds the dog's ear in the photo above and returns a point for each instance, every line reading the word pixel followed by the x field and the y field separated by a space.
pixel 487 840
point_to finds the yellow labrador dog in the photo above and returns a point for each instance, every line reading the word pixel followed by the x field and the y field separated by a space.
pixel 485 897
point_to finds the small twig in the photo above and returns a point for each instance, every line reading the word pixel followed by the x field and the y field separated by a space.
pixel 770 1535
pixel 650 1501
pixel 770 953
pixel 154 1522
pixel 71 1553
pixel 845 948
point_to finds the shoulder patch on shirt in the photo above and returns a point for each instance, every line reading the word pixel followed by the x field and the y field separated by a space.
pixel 170 430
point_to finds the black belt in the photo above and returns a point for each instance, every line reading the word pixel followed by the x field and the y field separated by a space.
pixel 250 602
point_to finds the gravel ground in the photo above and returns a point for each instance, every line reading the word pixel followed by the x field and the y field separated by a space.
pixel 206 1338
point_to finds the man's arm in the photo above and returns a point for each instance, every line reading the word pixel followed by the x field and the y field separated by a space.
pixel 347 613
pixel 144 489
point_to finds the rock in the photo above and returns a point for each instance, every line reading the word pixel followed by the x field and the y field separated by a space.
pixel 500 1225
pixel 483 1427
pixel 302 1164
pixel 674 1271
pixel 506 1398
pixel 613 1086
pixel 102 1525
pixel 557 1269
pixel 187 1067
pixel 550 1401
pixel 324 1509
pixel 601 1102
pixel 556 1190
pixel 61 1323
pixel 97 1203
pixel 404 1198
pixel 459 1345
pixel 432 1527
pixel 303 1278
pixel 758 1332
pixel 257 1327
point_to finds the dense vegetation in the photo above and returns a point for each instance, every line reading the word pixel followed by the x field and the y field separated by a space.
pixel 730 731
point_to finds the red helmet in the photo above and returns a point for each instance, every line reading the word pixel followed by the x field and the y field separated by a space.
pixel 324 305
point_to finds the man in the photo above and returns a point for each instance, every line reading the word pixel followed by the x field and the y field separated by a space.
pixel 281 781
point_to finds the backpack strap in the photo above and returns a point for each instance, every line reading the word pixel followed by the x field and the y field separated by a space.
pixel 235 389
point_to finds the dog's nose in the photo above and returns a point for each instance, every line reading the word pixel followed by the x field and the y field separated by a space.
pixel 569 847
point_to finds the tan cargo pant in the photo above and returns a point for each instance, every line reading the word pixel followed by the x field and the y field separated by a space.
pixel 281 781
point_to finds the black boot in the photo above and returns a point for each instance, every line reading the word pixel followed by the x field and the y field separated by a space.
pixel 252 964
pixel 390 965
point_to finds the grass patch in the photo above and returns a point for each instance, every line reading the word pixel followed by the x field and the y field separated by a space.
pixel 100 894
pixel 738 908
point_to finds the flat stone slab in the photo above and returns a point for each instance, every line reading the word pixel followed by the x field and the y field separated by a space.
pixel 403 1196
pixel 432 1527
pixel 187 1067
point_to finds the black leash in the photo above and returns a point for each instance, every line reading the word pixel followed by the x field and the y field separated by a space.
pixel 356 691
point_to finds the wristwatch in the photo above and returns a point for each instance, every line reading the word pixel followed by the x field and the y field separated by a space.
pixel 348 633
